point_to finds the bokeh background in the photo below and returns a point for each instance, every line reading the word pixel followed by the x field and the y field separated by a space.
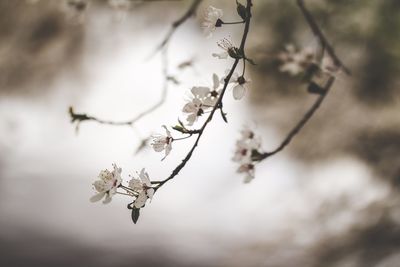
pixel 330 199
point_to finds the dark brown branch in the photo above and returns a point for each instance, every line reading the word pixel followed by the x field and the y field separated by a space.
pixel 325 90
pixel 307 116
pixel 80 117
pixel 175 25
pixel 217 105
pixel 324 42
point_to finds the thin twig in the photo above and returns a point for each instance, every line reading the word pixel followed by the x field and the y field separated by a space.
pixel 307 116
pixel 80 117
pixel 217 105
pixel 317 31
pixel 175 25
pixel 325 90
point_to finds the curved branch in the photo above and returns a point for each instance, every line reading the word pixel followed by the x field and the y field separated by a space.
pixel 217 105
pixel 175 25
pixel 324 42
pixel 80 117
pixel 323 92
pixel 307 116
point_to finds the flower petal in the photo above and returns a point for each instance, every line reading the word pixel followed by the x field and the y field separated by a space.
pixel 150 193
pixel 223 55
pixel 140 200
pixel 238 92
pixel 144 176
pixel 97 197
pixel 200 91
pixel 215 81
pixel 189 107
pixel 107 199
pixel 158 147
pixel 167 131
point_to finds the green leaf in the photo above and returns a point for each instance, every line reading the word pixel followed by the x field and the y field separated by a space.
pixel 135 215
pixel 241 10
pixel 181 123
pixel 178 128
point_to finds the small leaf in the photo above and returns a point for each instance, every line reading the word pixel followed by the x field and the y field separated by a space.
pixel 241 10
pixel 223 115
pixel 251 61
pixel 135 215
pixel 179 128
pixel 181 123
pixel 256 155
pixel 314 88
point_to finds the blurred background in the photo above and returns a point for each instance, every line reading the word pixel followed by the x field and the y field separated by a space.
pixel 330 199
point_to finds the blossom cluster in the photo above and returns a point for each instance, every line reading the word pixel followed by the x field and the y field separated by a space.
pixel 295 61
pixel 247 153
pixel 108 183
pixel 200 100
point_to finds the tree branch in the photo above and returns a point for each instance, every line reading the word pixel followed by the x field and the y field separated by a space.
pixel 325 90
pixel 80 117
pixel 317 31
pixel 217 105
pixel 307 116
pixel 175 25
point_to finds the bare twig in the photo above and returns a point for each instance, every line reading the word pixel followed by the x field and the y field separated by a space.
pixel 307 116
pixel 175 25
pixel 317 31
pixel 325 90
pixel 80 117
pixel 217 105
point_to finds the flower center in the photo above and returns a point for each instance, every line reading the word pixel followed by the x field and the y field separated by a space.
pixel 214 93
pixel 200 112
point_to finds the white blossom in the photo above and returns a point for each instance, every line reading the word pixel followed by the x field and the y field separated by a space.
pixel 229 50
pixel 295 61
pixel 107 184
pixel 248 169
pixel 212 19
pixel 248 145
pixel 202 98
pixel 222 55
pixel 240 84
pixel 162 142
pixel 143 188
pixel 194 108
pixel 245 145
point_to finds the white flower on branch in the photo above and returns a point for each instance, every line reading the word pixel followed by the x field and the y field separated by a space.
pixel 212 19
pixel 202 98
pixel 240 87
pixel 295 61
pixel 107 184
pixel 239 90
pixel 162 142
pixel 143 188
pixel 229 50
pixel 248 169
pixel 195 109
pixel 247 147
